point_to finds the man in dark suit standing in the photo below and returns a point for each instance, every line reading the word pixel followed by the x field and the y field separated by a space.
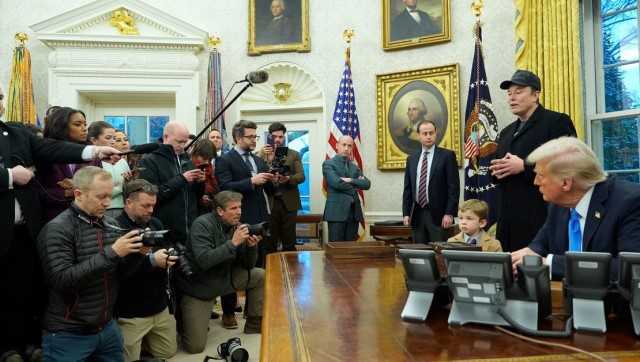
pixel 285 200
pixel 588 212
pixel 413 23
pixel 343 210
pixel 20 222
pixel 241 171
pixel 535 126
pixel 431 187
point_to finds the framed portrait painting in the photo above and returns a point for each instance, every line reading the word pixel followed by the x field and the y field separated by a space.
pixel 412 23
pixel 278 26
pixel 406 98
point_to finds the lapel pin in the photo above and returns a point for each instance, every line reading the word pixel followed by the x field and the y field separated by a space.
pixel 597 214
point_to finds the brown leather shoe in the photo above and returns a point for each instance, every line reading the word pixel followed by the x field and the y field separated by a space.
pixel 253 325
pixel 229 321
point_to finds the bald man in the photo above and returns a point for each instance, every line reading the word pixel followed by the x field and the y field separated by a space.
pixel 180 184
pixel 343 211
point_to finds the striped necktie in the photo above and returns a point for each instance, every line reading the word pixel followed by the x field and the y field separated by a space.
pixel 423 199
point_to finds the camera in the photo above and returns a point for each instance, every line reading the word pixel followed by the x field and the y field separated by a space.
pixel 278 163
pixel 203 167
pixel 150 237
pixel 232 351
pixel 183 263
pixel 259 229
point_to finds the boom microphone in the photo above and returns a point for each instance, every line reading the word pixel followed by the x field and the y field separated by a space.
pixel 141 149
pixel 259 76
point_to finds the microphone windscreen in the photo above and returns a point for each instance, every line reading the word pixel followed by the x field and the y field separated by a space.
pixel 259 76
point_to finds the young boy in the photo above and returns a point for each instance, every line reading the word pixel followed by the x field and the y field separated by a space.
pixel 472 215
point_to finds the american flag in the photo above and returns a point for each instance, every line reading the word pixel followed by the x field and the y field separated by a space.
pixel 345 120
pixel 471 148
pixel 214 94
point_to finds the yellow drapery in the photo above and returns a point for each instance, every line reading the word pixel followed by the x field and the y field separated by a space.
pixel 548 44
pixel 20 101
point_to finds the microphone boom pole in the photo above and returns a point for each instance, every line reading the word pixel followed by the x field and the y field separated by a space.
pixel 204 129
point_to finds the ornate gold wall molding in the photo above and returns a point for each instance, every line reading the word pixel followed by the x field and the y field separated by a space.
pixel 548 43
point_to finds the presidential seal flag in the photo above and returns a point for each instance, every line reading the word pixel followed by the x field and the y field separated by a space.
pixel 480 133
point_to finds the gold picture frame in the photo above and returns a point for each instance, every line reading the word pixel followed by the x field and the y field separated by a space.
pixel 400 31
pixel 431 93
pixel 271 31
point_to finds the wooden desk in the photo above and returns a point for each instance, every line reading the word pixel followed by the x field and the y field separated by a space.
pixel 318 309
pixel 401 234
pixel 397 233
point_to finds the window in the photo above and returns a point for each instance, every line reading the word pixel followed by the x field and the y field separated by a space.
pixel 139 129
pixel 613 84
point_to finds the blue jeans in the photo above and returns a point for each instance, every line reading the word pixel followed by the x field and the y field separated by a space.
pixel 105 346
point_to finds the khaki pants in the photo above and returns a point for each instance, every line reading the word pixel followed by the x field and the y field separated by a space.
pixel 196 313
pixel 158 333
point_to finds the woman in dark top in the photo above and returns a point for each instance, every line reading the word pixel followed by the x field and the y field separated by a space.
pixel 56 187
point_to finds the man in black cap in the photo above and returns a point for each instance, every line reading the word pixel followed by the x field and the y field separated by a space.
pixel 535 125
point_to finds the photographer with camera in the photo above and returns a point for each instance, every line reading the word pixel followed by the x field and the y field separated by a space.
pixel 80 252
pixel 142 306
pixel 180 184
pixel 286 166
pixel 223 253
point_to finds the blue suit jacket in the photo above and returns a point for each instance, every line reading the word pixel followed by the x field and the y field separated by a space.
pixel 444 185
pixel 340 194
pixel 233 174
pixel 612 225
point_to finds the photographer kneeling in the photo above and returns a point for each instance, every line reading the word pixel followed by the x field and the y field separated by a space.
pixel 223 254
pixel 142 307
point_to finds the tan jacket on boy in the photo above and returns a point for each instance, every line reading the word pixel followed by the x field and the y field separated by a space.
pixel 486 241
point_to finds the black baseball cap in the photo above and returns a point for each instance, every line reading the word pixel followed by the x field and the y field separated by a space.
pixel 524 78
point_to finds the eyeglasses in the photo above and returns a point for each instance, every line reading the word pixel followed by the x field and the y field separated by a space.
pixel 254 137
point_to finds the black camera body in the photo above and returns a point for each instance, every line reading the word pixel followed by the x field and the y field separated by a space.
pixel 151 237
pixel 232 351
pixel 278 164
pixel 183 263
pixel 259 229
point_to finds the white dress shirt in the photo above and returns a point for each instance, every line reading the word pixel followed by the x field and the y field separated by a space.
pixel 415 15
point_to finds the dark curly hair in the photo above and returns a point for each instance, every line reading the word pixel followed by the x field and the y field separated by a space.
pixel 57 126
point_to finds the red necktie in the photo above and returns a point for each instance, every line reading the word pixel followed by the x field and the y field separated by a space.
pixel 422 189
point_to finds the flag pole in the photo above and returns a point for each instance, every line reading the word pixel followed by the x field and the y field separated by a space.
pixel 347 35
pixel 476 7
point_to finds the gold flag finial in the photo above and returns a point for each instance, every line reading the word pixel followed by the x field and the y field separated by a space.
pixel 21 38
pixel 213 42
pixel 348 34
pixel 476 7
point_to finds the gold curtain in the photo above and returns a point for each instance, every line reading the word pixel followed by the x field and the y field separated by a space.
pixel 21 105
pixel 548 44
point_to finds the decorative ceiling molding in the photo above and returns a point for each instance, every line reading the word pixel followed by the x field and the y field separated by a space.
pixel 88 26
pixel 306 92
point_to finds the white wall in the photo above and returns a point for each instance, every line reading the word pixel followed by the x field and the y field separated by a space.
pixel 328 18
